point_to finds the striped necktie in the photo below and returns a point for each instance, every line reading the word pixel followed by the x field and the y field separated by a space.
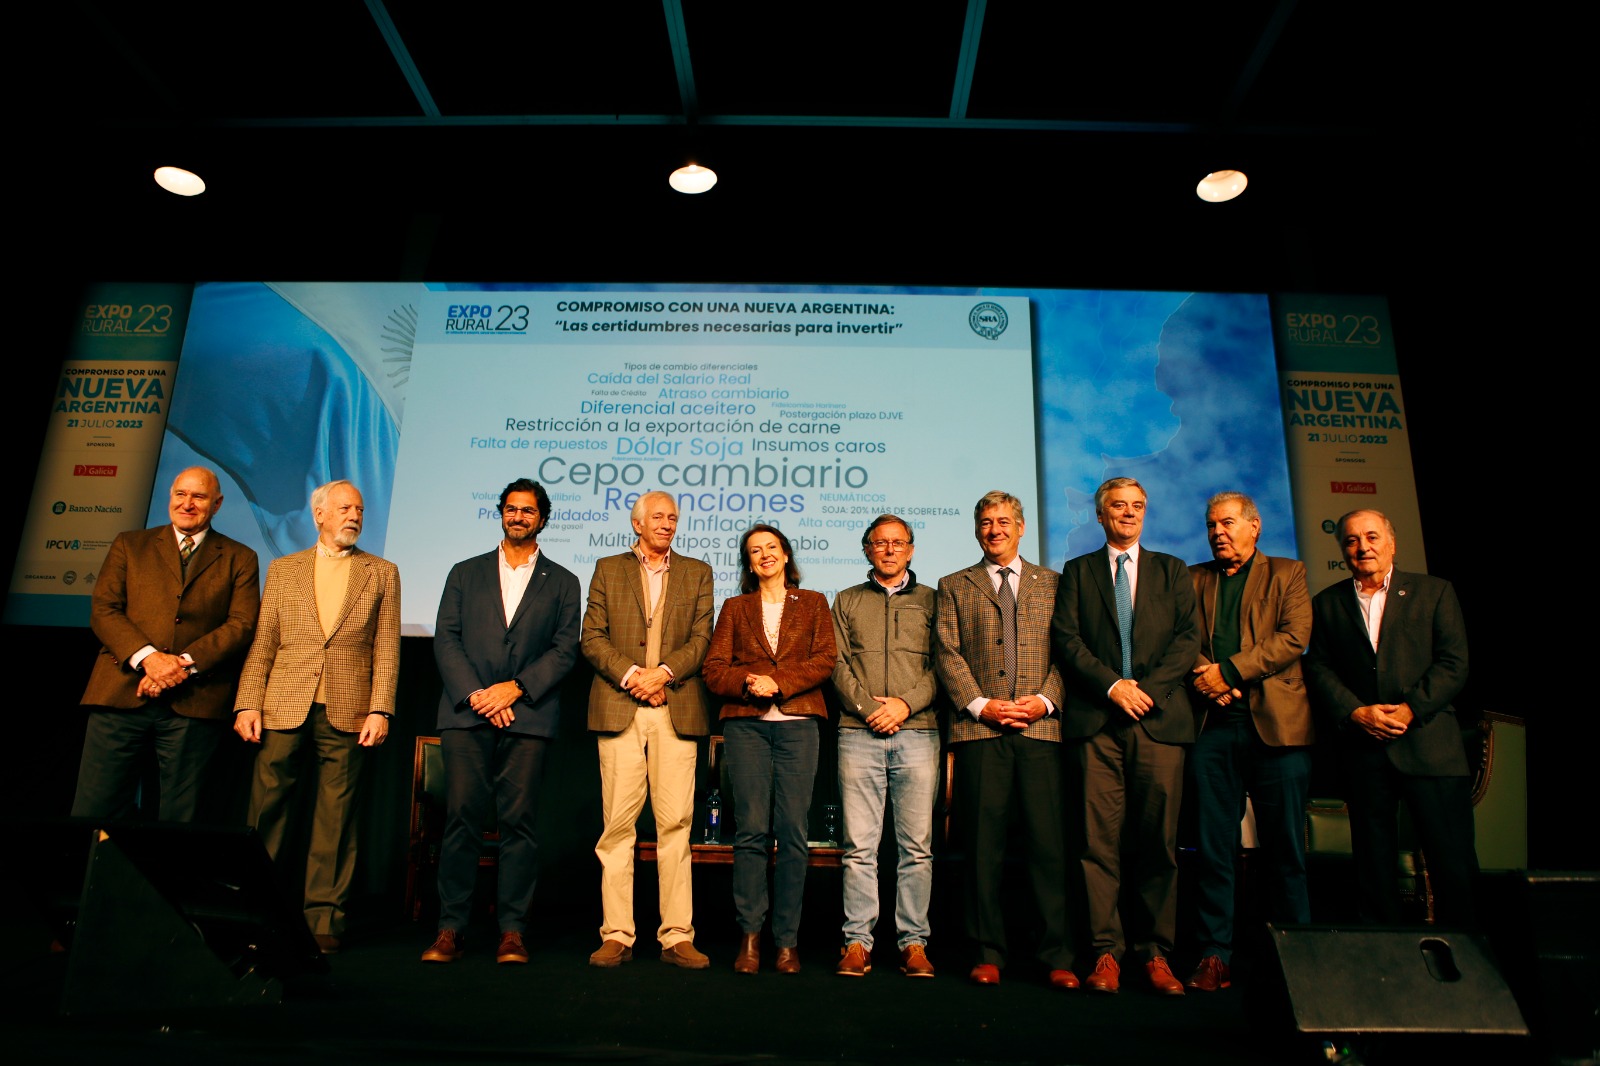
pixel 185 550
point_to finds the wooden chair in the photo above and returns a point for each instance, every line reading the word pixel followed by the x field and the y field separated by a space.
pixel 427 827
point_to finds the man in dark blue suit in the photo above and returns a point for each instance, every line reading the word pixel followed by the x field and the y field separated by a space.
pixel 1388 656
pixel 507 634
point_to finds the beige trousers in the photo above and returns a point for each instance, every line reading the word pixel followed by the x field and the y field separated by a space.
pixel 647 758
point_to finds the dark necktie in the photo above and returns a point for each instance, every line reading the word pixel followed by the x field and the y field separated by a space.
pixel 1008 630
pixel 1124 591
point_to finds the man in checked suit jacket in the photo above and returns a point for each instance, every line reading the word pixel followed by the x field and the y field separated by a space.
pixel 1256 732
pixel 1126 721
pixel 646 631
pixel 173 633
pixel 318 684
pixel 1388 656
pixel 507 636
pixel 1004 731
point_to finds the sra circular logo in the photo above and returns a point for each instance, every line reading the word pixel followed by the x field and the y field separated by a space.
pixel 988 320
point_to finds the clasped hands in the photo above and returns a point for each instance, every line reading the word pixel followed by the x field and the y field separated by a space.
pixel 649 686
pixel 1017 714
pixel 1209 682
pixel 161 672
pixel 761 686
pixel 494 703
pixel 1385 721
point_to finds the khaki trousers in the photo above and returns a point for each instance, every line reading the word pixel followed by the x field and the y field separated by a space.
pixel 650 758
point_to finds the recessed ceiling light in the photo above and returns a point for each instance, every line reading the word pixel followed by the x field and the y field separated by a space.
pixel 1221 185
pixel 692 178
pixel 180 181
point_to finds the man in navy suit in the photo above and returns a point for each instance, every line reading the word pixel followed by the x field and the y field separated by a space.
pixel 1126 635
pixel 1388 656
pixel 507 634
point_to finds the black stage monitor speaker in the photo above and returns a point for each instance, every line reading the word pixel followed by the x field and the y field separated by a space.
pixel 174 916
pixel 1389 981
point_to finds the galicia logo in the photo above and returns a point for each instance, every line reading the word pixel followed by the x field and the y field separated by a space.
pixel 988 320
pixel 487 318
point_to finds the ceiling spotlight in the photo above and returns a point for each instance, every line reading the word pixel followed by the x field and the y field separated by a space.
pixel 1221 185
pixel 180 181
pixel 693 178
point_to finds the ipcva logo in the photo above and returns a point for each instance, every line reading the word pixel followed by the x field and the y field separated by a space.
pixel 62 545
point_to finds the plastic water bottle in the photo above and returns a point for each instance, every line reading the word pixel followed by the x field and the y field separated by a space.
pixel 713 833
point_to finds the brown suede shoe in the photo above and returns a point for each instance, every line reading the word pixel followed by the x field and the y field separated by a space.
pixel 683 954
pixel 1162 981
pixel 611 953
pixel 914 961
pixel 446 947
pixel 788 960
pixel 748 960
pixel 854 960
pixel 1210 975
pixel 511 948
pixel 1106 977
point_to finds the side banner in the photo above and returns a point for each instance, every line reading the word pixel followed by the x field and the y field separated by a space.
pixel 1345 419
pixel 101 448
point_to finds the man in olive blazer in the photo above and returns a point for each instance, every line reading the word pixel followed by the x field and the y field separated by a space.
pixel 645 631
pixel 318 684
pixel 1126 723
pixel 173 633
pixel 1004 730
pixel 1256 732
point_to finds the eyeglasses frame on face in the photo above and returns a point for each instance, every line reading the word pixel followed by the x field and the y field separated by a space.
pixel 512 512
pixel 881 546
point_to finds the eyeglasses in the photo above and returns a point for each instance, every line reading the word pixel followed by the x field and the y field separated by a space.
pixel 888 545
pixel 512 512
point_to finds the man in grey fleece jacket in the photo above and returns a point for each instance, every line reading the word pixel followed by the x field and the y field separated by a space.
pixel 888 744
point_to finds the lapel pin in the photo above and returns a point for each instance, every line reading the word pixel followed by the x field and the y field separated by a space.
pixel 1400 592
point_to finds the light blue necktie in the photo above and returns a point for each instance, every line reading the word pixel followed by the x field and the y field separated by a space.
pixel 1124 592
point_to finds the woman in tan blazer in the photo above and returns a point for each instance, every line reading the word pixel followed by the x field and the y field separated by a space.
pixel 771 652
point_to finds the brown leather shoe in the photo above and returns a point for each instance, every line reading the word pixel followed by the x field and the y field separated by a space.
pixel 611 953
pixel 511 948
pixel 1210 975
pixel 1063 979
pixel 683 954
pixel 788 960
pixel 446 947
pixel 1162 982
pixel 984 974
pixel 914 961
pixel 1107 975
pixel 327 943
pixel 748 960
pixel 854 960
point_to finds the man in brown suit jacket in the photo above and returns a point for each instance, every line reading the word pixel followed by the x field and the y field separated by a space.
pixel 318 684
pixel 174 609
pixel 646 631
pixel 1255 621
pixel 993 655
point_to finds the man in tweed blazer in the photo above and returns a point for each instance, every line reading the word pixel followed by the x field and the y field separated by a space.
pixel 1004 731
pixel 163 682
pixel 318 684
pixel 1126 723
pixel 646 631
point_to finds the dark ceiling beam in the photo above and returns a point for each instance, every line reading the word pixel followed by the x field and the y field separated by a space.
pixel 971 31
pixel 1258 57
pixel 678 35
pixel 402 57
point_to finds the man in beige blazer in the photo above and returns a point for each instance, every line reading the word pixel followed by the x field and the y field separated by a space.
pixel 993 655
pixel 174 609
pixel 1256 732
pixel 646 631
pixel 319 683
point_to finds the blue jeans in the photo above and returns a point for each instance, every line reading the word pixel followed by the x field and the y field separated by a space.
pixel 903 767
pixel 773 766
pixel 1228 760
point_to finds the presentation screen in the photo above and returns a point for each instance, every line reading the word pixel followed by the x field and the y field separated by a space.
pixel 813 409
